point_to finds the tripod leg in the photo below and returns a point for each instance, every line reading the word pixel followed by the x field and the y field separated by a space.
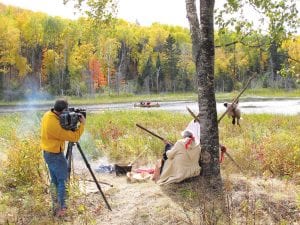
pixel 93 175
pixel 69 158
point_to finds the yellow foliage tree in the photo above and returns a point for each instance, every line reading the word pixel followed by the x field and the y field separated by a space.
pixel 293 49
pixel 10 47
pixel 50 63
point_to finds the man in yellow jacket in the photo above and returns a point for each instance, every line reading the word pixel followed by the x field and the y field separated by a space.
pixel 53 138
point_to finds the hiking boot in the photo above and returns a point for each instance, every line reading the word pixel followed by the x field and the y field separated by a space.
pixel 61 212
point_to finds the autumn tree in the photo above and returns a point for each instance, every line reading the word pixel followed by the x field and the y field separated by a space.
pixel 32 31
pixel 100 11
pixel 157 39
pixel 12 64
pixel 172 57
pixel 276 19
pixel 292 47
pixel 95 68
pixel 107 53
pixel 50 65
pixel 186 77
pixel 146 80
pixel 82 79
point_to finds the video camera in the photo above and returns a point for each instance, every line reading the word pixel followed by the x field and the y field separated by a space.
pixel 69 119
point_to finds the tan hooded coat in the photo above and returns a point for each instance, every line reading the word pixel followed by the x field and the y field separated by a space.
pixel 181 164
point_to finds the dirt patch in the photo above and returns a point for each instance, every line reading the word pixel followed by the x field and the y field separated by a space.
pixel 244 200
pixel 132 203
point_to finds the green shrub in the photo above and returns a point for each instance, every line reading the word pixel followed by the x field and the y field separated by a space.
pixel 265 144
pixel 24 164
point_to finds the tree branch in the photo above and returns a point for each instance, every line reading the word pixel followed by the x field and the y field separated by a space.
pixel 191 10
pixel 295 60
pixel 240 41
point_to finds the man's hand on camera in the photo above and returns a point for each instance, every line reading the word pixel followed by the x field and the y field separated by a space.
pixel 82 119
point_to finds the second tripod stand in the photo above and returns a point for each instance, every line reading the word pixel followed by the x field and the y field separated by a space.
pixel 69 160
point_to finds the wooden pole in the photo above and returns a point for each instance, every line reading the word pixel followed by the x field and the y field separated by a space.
pixel 101 182
pixel 229 156
pixel 152 133
pixel 234 162
pixel 193 114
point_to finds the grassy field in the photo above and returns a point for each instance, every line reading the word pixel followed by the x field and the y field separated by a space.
pixel 266 146
pixel 263 144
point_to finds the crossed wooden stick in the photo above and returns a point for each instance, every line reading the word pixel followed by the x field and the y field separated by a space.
pixel 235 100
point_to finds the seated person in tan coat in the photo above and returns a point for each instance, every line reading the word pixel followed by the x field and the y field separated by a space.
pixel 182 161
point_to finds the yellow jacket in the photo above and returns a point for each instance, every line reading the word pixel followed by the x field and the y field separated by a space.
pixel 53 136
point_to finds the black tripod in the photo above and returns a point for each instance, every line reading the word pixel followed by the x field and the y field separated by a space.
pixel 69 159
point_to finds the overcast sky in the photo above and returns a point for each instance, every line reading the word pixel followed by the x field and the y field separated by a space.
pixel 146 12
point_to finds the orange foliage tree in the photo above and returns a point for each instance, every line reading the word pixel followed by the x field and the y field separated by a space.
pixel 99 79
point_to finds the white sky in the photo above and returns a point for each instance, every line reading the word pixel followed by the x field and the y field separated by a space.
pixel 51 7
pixel 172 12
pixel 146 12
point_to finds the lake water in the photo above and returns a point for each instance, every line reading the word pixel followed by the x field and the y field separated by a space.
pixel 287 107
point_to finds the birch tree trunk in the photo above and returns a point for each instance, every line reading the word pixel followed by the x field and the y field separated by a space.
pixel 202 34
pixel 122 60
pixel 157 79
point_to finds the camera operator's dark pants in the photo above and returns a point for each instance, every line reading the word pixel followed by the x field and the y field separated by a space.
pixel 58 168
pixel 167 148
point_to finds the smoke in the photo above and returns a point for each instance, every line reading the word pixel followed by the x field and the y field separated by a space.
pixel 31 109
pixel 33 92
pixel 29 90
pixel 89 147
pixel 93 154
pixel 28 125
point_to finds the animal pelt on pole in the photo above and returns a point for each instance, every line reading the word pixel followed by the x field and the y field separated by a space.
pixel 233 111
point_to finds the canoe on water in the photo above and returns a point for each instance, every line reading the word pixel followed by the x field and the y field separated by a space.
pixel 147 104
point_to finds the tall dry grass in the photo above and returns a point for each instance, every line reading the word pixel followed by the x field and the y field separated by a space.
pixel 264 145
